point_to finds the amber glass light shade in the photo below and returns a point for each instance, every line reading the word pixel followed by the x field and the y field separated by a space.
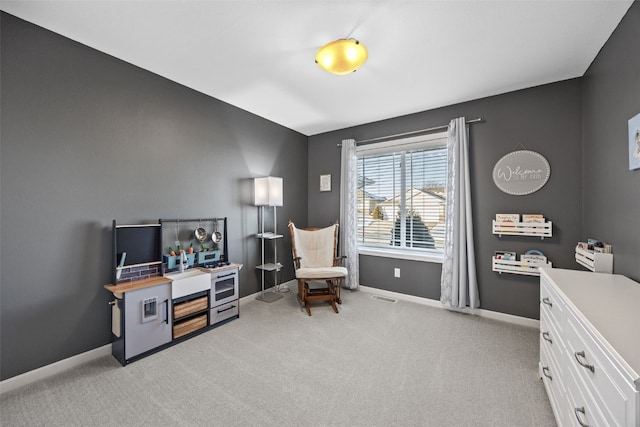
pixel 342 56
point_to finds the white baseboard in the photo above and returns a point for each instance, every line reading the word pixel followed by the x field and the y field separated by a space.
pixel 518 320
pixel 52 369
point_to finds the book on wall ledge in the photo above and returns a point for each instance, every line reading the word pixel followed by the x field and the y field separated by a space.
pixel 507 217
pixel 538 218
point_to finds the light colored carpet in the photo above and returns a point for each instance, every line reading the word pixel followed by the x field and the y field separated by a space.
pixel 374 364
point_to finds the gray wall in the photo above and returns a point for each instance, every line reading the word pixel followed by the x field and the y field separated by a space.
pixel 87 138
pixel 546 119
pixel 611 203
pixel 580 126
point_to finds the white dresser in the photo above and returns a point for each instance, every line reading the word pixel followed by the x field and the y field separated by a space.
pixel 590 347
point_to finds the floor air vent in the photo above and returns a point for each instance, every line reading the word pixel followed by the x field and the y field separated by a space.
pixel 385 299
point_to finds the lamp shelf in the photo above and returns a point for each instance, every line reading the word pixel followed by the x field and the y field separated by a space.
pixel 269 236
pixel 268 192
pixel 270 266
pixel 518 267
pixel 536 229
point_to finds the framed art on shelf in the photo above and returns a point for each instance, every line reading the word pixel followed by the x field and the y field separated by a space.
pixel 634 142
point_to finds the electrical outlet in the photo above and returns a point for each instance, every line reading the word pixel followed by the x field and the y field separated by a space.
pixel 396 272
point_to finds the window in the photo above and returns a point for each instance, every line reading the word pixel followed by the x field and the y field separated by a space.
pixel 401 195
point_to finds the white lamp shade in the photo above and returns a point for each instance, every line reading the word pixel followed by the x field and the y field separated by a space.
pixel 268 191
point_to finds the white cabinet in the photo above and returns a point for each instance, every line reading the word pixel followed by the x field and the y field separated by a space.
pixel 589 347
pixel 147 319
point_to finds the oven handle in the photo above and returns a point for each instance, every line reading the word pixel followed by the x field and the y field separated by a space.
pixel 224 275
pixel 226 309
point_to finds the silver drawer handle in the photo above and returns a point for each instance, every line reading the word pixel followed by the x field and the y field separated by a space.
pixel 545 369
pixel 546 337
pixel 577 411
pixel 547 301
pixel 580 355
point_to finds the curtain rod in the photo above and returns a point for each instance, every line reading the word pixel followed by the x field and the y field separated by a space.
pixel 478 120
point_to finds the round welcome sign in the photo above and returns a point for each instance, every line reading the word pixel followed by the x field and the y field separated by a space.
pixel 521 172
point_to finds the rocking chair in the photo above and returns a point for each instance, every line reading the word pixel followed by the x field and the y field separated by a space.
pixel 315 260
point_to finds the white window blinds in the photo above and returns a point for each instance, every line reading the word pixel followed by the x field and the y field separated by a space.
pixel 401 193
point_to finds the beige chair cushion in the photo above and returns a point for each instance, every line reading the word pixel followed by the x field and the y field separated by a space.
pixel 321 273
pixel 315 248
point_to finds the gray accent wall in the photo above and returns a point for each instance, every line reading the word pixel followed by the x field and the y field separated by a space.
pixel 579 125
pixel 545 119
pixel 611 192
pixel 87 138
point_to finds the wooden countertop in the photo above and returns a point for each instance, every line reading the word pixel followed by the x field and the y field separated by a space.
pixel 118 290
pixel 226 267
pixel 137 284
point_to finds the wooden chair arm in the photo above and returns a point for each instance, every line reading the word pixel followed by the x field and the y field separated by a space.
pixel 339 262
pixel 296 262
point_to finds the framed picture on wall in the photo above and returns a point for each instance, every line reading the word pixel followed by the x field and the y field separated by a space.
pixel 634 142
pixel 325 182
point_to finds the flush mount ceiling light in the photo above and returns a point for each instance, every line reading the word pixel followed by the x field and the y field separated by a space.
pixel 342 56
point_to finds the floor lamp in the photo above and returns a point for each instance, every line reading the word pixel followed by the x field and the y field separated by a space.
pixel 268 192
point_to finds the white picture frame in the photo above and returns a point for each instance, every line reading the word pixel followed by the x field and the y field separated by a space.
pixel 325 182
pixel 634 142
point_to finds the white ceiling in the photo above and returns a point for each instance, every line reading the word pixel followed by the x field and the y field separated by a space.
pixel 259 55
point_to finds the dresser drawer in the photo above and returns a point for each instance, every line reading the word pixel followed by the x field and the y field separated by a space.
pixel 552 378
pixel 550 337
pixel 603 380
pixel 552 304
pixel 595 317
pixel 581 409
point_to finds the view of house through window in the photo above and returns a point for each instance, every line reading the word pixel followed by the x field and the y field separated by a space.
pixel 401 193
